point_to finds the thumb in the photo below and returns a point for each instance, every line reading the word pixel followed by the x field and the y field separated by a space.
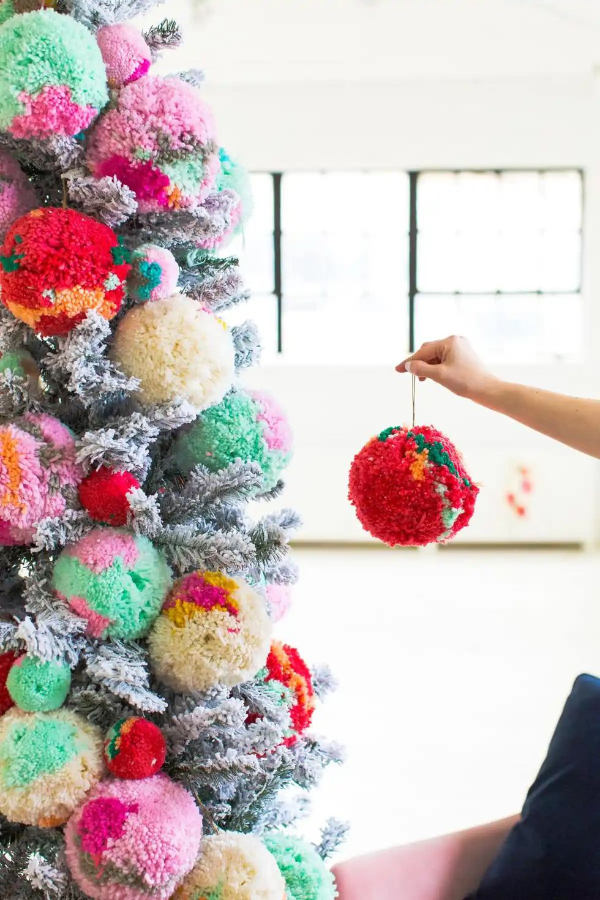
pixel 423 370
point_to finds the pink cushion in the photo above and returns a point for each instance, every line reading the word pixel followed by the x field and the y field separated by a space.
pixel 445 868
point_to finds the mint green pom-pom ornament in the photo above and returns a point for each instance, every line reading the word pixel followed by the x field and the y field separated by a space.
pixel 305 874
pixel 245 425
pixel 52 76
pixel 233 176
pixel 37 685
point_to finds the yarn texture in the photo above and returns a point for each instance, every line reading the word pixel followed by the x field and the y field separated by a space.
pixel 212 630
pixel 103 494
pixel 52 78
pixel 289 679
pixel 159 140
pixel 176 349
pixel 133 840
pixel 125 53
pixel 48 763
pixel 6 661
pixel 306 875
pixel 279 600
pixel 233 866
pixel 38 685
pixel 113 579
pixel 154 273
pixel 17 194
pixel 56 265
pixel 409 487
pixel 134 748
pixel 246 425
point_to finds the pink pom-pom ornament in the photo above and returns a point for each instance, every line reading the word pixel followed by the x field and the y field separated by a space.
pixel 126 54
pixel 17 195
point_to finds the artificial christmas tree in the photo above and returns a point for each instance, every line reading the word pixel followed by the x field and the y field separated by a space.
pixel 149 724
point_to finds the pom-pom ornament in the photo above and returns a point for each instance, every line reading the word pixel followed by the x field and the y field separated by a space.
pixel 233 866
pixel 6 661
pixel 52 78
pixel 289 680
pixel 212 630
pixel 113 579
pixel 126 54
pixel 245 425
pixel 17 194
pixel 48 763
pixel 58 264
pixel 410 488
pixel 134 748
pixel 38 685
pixel 133 840
pixel 154 273
pixel 279 600
pixel 176 350
pixel 159 140
pixel 306 875
pixel 103 493
pixel 38 473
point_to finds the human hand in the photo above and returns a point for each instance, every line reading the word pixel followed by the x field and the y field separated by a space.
pixel 453 363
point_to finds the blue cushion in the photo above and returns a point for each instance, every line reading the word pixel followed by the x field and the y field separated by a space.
pixel 554 851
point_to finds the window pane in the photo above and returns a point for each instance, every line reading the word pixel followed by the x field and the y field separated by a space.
pixel 254 246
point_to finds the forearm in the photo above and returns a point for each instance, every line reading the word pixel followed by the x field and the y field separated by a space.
pixel 571 420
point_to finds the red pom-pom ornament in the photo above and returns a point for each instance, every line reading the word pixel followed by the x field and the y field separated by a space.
pixel 134 748
pixel 56 265
pixel 410 488
pixel 6 661
pixel 103 494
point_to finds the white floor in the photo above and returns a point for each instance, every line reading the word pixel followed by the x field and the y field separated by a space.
pixel 453 668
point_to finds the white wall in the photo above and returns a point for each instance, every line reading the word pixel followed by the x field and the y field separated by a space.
pixel 520 122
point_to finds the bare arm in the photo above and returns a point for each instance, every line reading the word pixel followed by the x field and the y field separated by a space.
pixel 453 364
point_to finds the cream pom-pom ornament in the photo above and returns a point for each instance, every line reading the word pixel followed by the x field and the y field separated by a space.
pixel 38 475
pixel 233 866
pixel 52 78
pixel 133 840
pixel 176 349
pixel 126 54
pixel 212 630
pixel 48 763
pixel 113 579
pixel 17 194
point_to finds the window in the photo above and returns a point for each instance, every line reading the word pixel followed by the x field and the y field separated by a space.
pixel 348 267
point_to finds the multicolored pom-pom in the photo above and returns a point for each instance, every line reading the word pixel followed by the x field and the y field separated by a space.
pixel 113 579
pixel 38 473
pixel 126 54
pixel 52 79
pixel 290 682
pixel 38 685
pixel 176 350
pixel 306 875
pixel 48 763
pixel 6 661
pixel 410 488
pixel 154 273
pixel 133 840
pixel 279 600
pixel 17 194
pixel 134 748
pixel 212 630
pixel 58 264
pixel 159 140
pixel 233 866
pixel 247 425
pixel 103 493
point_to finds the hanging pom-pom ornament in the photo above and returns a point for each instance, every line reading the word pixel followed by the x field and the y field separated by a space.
pixel 410 488
pixel 134 748
pixel 103 493
pixel 212 630
pixel 17 194
pixel 177 350
pixel 6 661
pixel 159 140
pixel 154 273
pixel 306 875
pixel 234 866
pixel 289 680
pixel 38 474
pixel 58 264
pixel 48 763
pixel 279 600
pixel 126 54
pixel 246 425
pixel 113 579
pixel 132 840
pixel 52 78
pixel 38 685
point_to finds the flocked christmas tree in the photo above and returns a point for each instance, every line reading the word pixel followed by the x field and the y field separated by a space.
pixel 154 739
